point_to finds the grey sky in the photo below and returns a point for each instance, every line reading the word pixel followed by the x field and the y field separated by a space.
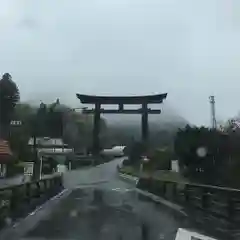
pixel 187 48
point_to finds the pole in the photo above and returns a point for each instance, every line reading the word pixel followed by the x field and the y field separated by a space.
pixel 35 151
pixel 213 112
pixel 34 155
pixel 40 170
pixel 140 169
pixel 145 124
pixel 96 130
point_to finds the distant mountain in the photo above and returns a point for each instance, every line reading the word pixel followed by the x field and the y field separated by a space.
pixel 169 118
pixel 123 129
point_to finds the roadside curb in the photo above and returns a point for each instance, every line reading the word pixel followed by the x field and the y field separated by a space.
pixel 163 201
pixel 128 177
pixel 153 197
pixel 21 225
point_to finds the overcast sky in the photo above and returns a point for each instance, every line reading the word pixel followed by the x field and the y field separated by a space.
pixel 190 49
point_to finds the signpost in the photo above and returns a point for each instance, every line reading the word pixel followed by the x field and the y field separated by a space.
pixel 16 123
pixel 28 171
pixel 28 168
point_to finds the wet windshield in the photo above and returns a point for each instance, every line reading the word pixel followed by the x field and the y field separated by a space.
pixel 119 119
pixel 100 206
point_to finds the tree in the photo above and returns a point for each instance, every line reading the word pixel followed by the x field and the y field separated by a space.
pixel 134 152
pixel 160 159
pixel 205 168
pixel 54 122
pixel 39 122
pixel 9 97
pixel 20 134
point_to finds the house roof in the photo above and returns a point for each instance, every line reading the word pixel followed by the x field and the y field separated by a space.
pixel 46 141
pixel 5 151
pixel 91 99
pixel 4 148
pixel 55 151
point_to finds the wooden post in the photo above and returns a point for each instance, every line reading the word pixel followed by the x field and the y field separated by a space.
pixel 145 124
pixel 36 167
pixel 96 129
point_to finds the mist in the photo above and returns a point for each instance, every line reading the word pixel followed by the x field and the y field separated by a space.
pixel 189 49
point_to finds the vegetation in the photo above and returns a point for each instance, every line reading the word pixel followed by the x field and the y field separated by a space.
pixel 9 97
pixel 158 166
pixel 160 135
pixel 220 164
pixel 160 159
pixel 134 152
pixel 53 120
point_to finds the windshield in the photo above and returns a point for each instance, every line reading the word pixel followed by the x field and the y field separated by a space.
pixel 100 206
pixel 111 125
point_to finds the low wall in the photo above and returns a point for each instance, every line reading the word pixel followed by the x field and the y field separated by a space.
pixel 128 178
pixel 215 209
pixel 18 200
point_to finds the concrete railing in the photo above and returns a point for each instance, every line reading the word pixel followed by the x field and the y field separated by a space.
pixel 215 208
pixel 19 200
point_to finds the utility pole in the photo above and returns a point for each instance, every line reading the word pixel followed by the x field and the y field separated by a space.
pixel 35 150
pixel 213 112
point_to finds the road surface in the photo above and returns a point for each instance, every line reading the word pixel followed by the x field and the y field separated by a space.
pixel 98 205
pixel 6 182
pixel 20 179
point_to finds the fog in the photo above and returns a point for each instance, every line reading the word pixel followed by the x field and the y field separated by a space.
pixel 189 49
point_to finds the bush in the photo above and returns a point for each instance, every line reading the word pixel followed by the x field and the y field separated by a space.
pixel 160 159
pixel 134 152
pixel 14 169
pixel 221 163
pixel 126 162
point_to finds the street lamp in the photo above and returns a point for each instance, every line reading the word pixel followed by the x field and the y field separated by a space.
pixel 144 159
pixel 201 152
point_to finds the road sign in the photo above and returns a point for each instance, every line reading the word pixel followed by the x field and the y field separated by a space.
pixel 184 234
pixel 145 159
pixel 16 123
pixel 28 168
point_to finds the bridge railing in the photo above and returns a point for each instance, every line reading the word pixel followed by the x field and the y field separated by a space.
pixel 215 207
pixel 19 200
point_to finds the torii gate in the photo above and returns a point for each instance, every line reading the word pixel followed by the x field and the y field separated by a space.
pixel 99 101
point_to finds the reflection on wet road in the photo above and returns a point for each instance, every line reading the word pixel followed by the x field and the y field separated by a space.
pixel 109 210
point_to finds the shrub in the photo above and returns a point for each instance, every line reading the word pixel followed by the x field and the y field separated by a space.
pixel 14 169
pixel 126 162
pixel 160 159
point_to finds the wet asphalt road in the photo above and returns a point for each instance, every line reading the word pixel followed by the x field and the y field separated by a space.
pixel 100 206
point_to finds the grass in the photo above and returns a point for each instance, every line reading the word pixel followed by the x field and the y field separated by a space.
pixel 164 175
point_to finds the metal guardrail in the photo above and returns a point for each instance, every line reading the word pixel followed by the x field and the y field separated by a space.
pixel 214 207
pixel 18 200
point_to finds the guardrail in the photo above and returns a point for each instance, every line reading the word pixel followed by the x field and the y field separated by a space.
pixel 18 200
pixel 216 208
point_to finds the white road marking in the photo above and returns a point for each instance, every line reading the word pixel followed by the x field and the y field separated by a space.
pixel 121 190
pixel 73 213
pixel 40 207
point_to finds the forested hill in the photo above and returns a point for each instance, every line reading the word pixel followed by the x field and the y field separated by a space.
pixel 163 127
pixel 168 118
pixel 117 129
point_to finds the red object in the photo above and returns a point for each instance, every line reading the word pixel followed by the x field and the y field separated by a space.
pixel 5 152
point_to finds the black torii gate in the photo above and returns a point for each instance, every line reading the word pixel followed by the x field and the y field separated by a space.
pixel 98 101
